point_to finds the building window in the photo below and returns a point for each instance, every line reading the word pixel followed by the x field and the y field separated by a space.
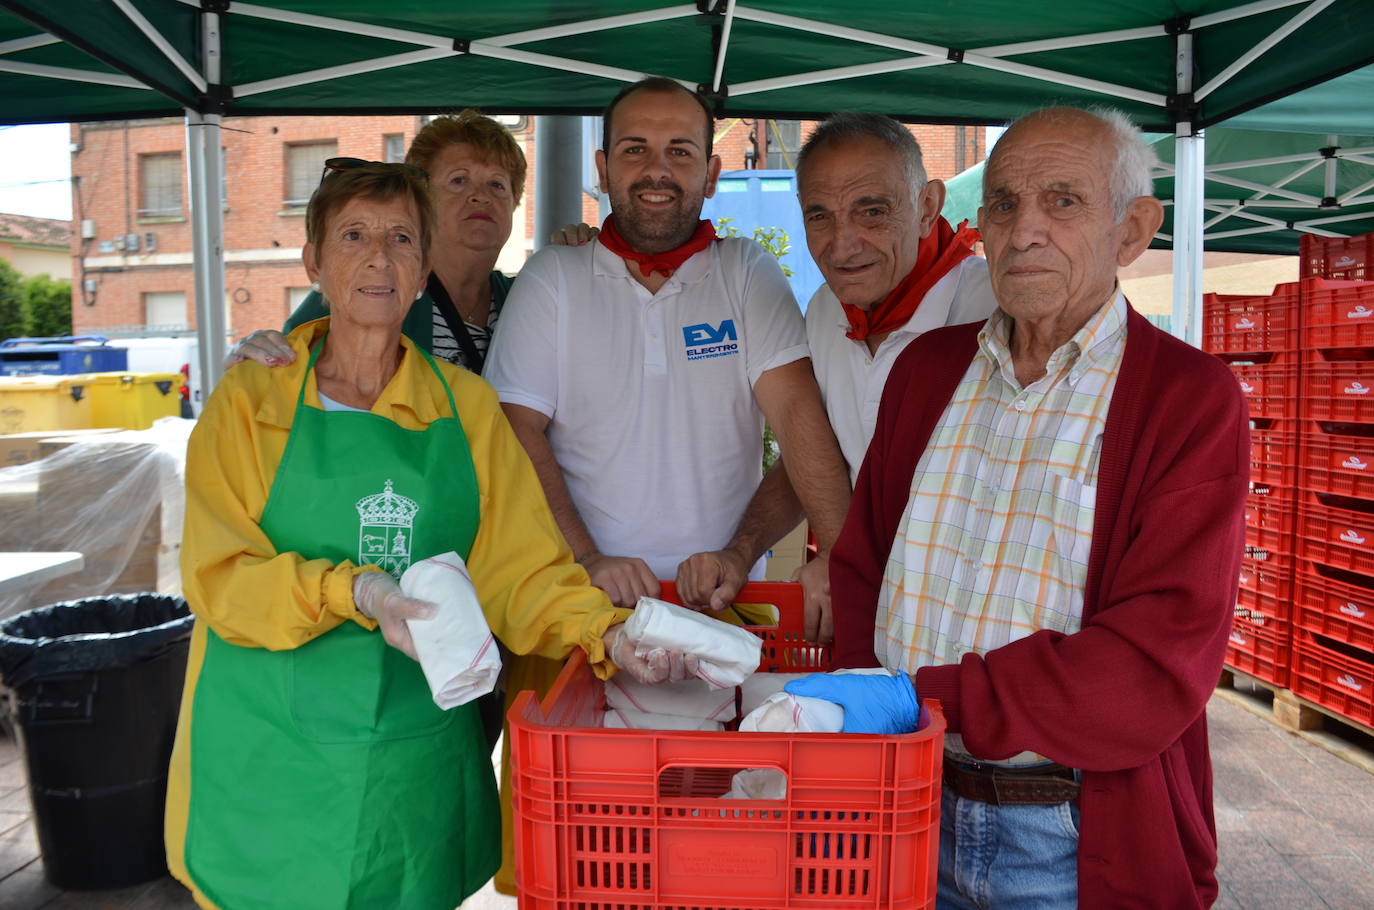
pixel 295 297
pixel 160 178
pixel 165 310
pixel 394 147
pixel 304 164
pixel 784 141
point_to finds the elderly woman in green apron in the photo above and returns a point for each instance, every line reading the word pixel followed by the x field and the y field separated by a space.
pixel 311 766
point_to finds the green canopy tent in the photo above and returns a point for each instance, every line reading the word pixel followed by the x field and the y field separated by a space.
pixel 1175 65
pixel 1263 190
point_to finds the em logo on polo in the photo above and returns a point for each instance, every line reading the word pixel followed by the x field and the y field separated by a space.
pixel 705 340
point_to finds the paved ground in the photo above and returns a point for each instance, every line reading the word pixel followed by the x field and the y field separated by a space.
pixel 1295 822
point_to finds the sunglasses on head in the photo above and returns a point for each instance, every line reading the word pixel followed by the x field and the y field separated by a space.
pixel 339 165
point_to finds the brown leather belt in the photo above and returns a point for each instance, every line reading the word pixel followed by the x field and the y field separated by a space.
pixel 1040 785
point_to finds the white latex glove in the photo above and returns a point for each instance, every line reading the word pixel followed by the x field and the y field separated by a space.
pixel 377 596
pixel 266 346
pixel 658 666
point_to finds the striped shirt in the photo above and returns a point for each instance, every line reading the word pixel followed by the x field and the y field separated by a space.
pixel 446 346
pixel 995 539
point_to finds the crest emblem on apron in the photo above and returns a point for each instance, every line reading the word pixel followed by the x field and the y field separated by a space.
pixel 386 521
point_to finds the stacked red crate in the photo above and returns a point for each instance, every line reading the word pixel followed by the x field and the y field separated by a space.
pixel 1333 639
pixel 1337 257
pixel 1259 336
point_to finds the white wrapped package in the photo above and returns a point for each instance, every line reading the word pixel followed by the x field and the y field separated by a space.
pixel 617 718
pixel 689 698
pixel 726 654
pixel 767 708
pixel 758 687
pixel 782 712
pixel 761 685
pixel 757 783
pixel 457 651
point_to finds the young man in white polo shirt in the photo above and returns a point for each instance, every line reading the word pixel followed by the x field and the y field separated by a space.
pixel 894 269
pixel 637 370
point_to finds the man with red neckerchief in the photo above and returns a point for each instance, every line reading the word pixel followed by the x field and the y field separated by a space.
pixel 894 269
pixel 638 369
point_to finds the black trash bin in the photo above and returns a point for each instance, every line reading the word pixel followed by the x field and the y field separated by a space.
pixel 97 685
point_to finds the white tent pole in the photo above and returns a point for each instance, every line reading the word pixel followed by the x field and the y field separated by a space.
pixel 1240 12
pixel 593 25
pixel 831 30
pixel 902 64
pixel 1263 162
pixel 1219 217
pixel 1260 187
pixel 1354 194
pixel 1056 44
pixel 42 39
pixel 1047 75
pixel 63 72
pixel 161 43
pixel 1186 322
pixel 203 158
pixel 1262 48
pixel 724 45
pixel 339 72
pixel 1333 219
pixel 562 64
pixel 1251 216
pixel 1329 184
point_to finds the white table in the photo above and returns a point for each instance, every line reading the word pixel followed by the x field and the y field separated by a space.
pixel 29 570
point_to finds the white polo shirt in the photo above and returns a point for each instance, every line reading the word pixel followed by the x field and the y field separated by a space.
pixel 650 396
pixel 852 379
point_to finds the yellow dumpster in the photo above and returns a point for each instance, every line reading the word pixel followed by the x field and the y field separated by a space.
pixel 132 400
pixel 29 403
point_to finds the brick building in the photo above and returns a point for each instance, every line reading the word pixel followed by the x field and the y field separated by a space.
pixel 131 242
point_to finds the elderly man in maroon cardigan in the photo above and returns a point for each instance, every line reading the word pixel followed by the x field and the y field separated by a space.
pixel 1046 535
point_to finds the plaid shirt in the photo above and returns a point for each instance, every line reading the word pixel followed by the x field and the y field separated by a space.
pixel 995 539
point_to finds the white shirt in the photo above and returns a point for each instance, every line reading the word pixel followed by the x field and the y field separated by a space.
pixel 852 379
pixel 652 417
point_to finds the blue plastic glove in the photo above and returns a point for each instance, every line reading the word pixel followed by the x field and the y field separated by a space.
pixel 872 704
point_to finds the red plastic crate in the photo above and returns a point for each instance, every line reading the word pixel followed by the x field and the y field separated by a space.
pixel 632 819
pixel 1339 390
pixel 1271 389
pixel 1334 607
pixel 1337 537
pixel 1259 653
pixel 1267 579
pixel 1236 323
pixel 1333 675
pixel 1265 603
pixel 1269 521
pixel 1338 314
pixel 1337 257
pixel 1274 454
pixel 1338 461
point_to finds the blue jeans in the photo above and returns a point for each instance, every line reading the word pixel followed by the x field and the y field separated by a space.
pixel 1007 857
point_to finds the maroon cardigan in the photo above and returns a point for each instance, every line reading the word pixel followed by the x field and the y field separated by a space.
pixel 1123 698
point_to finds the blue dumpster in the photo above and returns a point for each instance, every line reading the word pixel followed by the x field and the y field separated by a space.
pixel 61 356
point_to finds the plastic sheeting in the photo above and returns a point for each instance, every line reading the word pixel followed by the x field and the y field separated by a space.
pixel 117 498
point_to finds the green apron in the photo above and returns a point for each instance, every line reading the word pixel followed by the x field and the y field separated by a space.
pixel 325 776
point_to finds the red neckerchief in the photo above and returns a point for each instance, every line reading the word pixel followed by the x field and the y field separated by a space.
pixel 666 262
pixel 940 251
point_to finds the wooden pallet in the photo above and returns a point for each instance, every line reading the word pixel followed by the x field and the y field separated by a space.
pixel 1297 715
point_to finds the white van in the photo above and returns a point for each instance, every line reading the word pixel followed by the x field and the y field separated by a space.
pixel 168 354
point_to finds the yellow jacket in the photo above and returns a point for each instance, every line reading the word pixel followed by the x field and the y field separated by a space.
pixel 537 600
